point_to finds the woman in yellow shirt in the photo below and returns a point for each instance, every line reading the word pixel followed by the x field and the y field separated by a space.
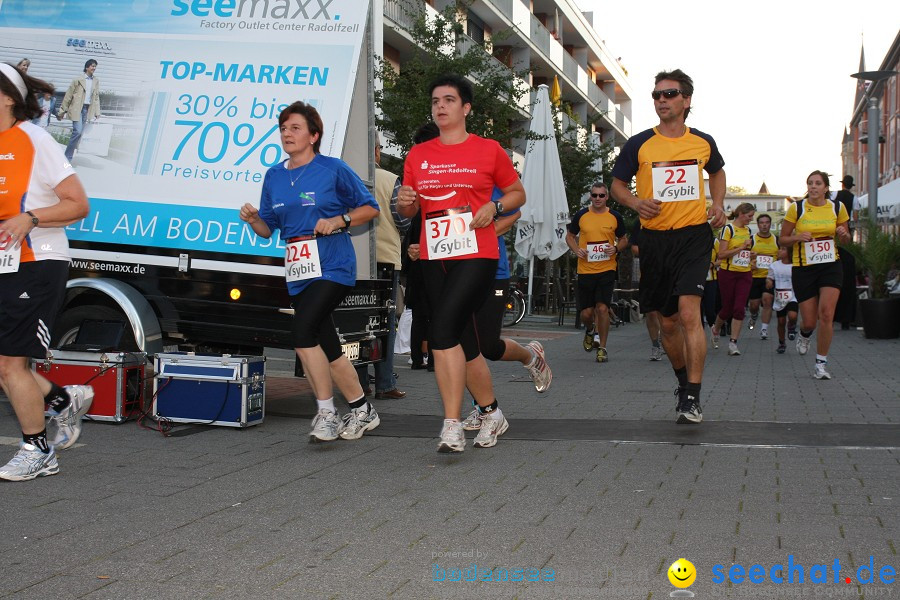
pixel 734 277
pixel 811 225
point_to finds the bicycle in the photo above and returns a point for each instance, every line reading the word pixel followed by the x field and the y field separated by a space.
pixel 515 307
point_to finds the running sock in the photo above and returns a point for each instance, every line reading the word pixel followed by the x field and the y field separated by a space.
pixel 38 440
pixel 821 359
pixel 656 343
pixel 754 316
pixel 692 392
pixel 805 333
pixel 490 408
pixel 597 337
pixel 681 374
pixel 359 403
pixel 732 340
pixel 764 327
pixel 327 404
pixel 58 398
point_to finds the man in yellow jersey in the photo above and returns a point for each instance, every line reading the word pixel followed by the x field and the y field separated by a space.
pixel 596 235
pixel 765 246
pixel 676 240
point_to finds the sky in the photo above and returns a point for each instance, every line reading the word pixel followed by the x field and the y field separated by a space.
pixel 772 79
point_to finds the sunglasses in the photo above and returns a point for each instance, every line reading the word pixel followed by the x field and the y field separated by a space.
pixel 593 195
pixel 669 93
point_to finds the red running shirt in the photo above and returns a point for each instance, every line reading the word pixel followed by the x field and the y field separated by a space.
pixel 457 176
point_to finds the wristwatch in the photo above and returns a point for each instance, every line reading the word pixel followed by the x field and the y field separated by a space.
pixel 34 219
pixel 498 206
pixel 346 218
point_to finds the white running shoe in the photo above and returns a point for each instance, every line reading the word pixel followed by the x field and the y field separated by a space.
pixel 802 344
pixel 821 372
pixel 733 349
pixel 359 421
pixel 28 463
pixel 326 426
pixel 473 421
pixel 540 371
pixel 714 336
pixel 656 352
pixel 490 429
pixel 453 439
pixel 64 428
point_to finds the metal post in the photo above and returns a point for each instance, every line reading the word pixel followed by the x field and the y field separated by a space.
pixel 530 281
pixel 874 167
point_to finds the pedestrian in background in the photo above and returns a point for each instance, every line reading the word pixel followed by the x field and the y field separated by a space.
pixel 81 104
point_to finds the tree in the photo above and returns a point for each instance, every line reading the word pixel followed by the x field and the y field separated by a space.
pixel 442 47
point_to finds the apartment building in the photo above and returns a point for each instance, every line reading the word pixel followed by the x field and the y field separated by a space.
pixel 549 38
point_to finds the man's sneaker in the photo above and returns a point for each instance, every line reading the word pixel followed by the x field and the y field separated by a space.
pixel 656 353
pixel 473 421
pixel 689 412
pixel 540 371
pixel 602 355
pixel 64 428
pixel 751 323
pixel 714 335
pixel 28 463
pixel 802 345
pixel 358 421
pixel 781 348
pixel 733 349
pixel 588 342
pixel 326 426
pixel 453 439
pixel 821 372
pixel 490 429
pixel 792 334
pixel 763 334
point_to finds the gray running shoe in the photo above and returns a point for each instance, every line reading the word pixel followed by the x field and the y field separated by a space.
pixel 490 429
pixel 473 421
pixel 64 428
pixel 656 353
pixel 752 323
pixel 689 412
pixel 453 439
pixel 540 371
pixel 821 371
pixel 359 421
pixel 326 426
pixel 28 463
pixel 714 335
pixel 733 349
pixel 802 344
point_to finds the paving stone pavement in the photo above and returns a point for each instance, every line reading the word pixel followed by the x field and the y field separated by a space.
pixel 259 513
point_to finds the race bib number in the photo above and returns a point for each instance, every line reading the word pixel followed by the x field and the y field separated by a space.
pixel 763 262
pixel 741 259
pixel 9 258
pixel 448 233
pixel 301 259
pixel 819 251
pixel 596 251
pixel 676 180
pixel 783 296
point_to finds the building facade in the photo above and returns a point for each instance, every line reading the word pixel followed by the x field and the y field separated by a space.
pixel 548 39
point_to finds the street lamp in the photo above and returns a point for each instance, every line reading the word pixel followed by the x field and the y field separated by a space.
pixel 873 136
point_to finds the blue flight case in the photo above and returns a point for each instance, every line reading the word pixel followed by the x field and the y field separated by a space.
pixel 210 389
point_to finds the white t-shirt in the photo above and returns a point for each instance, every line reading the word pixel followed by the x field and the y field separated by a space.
pixel 780 273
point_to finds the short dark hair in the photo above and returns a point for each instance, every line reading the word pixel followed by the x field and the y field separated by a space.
pixel 462 85
pixel 426 132
pixel 763 216
pixel 27 108
pixel 685 84
pixel 89 62
pixel 309 114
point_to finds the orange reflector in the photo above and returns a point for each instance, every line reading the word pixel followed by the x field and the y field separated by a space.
pixel 235 294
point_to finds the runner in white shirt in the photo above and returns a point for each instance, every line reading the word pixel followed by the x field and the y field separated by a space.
pixel 785 304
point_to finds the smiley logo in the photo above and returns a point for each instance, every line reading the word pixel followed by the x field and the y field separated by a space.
pixel 682 573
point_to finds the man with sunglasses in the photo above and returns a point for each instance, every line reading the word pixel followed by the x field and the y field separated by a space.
pixel 676 240
pixel 596 235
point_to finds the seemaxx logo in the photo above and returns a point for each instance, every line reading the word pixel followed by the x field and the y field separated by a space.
pixel 262 9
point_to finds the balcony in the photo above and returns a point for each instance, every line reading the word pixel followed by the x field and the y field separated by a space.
pixel 570 67
pixel 404 12
pixel 505 7
pixel 540 36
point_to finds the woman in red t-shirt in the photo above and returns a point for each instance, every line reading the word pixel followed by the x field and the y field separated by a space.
pixel 450 178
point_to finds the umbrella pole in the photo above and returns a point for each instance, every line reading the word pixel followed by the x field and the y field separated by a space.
pixel 530 281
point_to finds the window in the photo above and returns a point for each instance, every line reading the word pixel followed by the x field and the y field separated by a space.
pixel 475 27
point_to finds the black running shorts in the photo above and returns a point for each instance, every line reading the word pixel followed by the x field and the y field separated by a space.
pixel 758 288
pixel 808 279
pixel 673 263
pixel 595 288
pixel 30 300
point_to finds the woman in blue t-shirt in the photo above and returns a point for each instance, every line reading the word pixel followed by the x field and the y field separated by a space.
pixel 314 199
